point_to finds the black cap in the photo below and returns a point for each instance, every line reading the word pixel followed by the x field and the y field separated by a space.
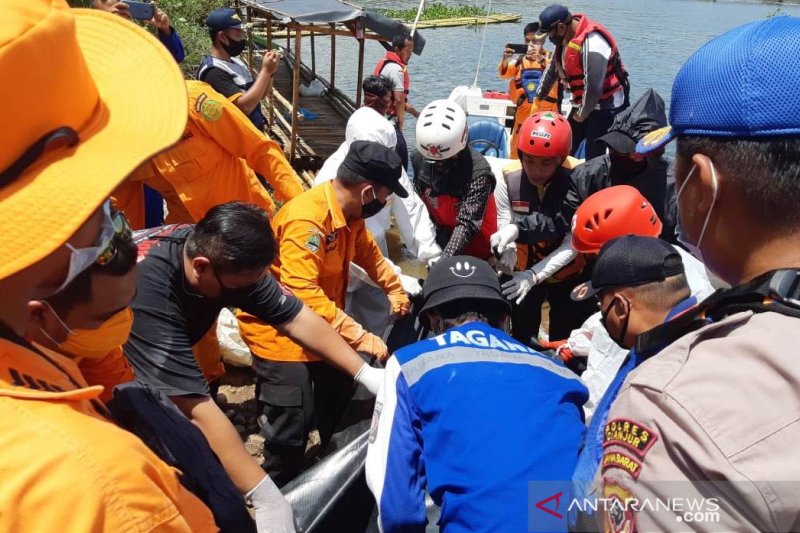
pixel 550 17
pixel 222 19
pixel 461 277
pixel 375 162
pixel 630 261
pixel 630 126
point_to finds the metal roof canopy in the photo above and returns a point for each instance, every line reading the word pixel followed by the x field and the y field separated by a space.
pixel 308 11
pixel 322 17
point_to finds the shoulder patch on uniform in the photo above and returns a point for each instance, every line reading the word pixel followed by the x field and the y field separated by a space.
pixel 211 110
pixel 629 434
pixel 619 515
pixel 198 104
pixel 313 243
pixel 623 461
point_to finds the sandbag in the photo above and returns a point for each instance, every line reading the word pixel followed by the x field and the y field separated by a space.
pixel 234 351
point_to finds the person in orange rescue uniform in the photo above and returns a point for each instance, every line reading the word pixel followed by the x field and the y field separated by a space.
pixel 66 466
pixel 319 233
pixel 524 74
pixel 90 319
pixel 215 162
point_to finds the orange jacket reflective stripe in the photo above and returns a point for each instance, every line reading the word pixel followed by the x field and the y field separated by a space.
pixel 216 160
pixel 66 468
pixel 315 248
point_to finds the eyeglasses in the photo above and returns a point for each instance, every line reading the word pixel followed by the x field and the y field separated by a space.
pixel 122 229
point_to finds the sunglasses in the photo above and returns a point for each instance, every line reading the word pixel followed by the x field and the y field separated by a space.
pixel 122 229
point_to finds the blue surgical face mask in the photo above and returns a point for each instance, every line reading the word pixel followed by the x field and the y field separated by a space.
pixel 694 249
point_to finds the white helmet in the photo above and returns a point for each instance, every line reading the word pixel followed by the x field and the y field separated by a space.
pixel 441 130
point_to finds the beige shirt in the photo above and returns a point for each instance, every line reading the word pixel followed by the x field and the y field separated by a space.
pixel 722 404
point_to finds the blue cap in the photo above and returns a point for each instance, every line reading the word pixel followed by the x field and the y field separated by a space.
pixel 550 16
pixel 740 84
pixel 222 19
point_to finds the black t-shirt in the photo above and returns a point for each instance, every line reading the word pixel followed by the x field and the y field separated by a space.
pixel 221 81
pixel 169 318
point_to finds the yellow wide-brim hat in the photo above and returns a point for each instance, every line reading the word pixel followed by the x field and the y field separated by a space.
pixel 88 73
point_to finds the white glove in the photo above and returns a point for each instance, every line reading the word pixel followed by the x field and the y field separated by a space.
pixel 273 512
pixel 520 285
pixel 433 260
pixel 503 238
pixel 370 377
pixel 410 285
pixel 508 259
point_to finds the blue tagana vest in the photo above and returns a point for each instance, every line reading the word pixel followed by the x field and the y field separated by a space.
pixel 530 79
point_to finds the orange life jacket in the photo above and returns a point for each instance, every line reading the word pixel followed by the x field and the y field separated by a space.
pixel 573 68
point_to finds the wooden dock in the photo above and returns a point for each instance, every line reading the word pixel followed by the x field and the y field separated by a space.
pixel 318 138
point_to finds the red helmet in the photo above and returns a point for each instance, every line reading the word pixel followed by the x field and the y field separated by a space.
pixel 613 212
pixel 545 134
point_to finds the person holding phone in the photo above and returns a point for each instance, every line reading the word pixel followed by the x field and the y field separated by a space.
pixel 524 74
pixel 152 15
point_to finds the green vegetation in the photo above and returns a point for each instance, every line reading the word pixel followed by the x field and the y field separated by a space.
pixel 779 12
pixel 188 19
pixel 435 12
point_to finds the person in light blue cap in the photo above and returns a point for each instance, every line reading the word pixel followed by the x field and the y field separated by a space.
pixel 709 424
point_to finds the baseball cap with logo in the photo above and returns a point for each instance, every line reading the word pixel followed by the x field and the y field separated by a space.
pixel 736 85
pixel 630 261
pixel 550 17
pixel 461 277
pixel 222 19
pixel 87 117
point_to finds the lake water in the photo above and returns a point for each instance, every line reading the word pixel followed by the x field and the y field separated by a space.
pixel 655 38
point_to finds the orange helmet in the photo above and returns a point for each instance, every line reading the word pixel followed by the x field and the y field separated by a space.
pixel 613 212
pixel 545 134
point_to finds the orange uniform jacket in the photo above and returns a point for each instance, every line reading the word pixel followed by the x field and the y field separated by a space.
pixel 67 468
pixel 315 248
pixel 108 371
pixel 215 160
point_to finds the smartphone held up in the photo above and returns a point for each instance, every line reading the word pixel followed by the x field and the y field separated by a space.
pixel 141 10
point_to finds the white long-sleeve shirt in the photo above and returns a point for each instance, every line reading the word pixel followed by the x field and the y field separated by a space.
pixel 558 258
pixel 410 214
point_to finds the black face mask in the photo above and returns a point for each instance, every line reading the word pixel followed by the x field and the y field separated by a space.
pixel 625 167
pixel 372 207
pixel 234 48
pixel 440 172
pixel 620 340
pixel 229 294
pixel 556 39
